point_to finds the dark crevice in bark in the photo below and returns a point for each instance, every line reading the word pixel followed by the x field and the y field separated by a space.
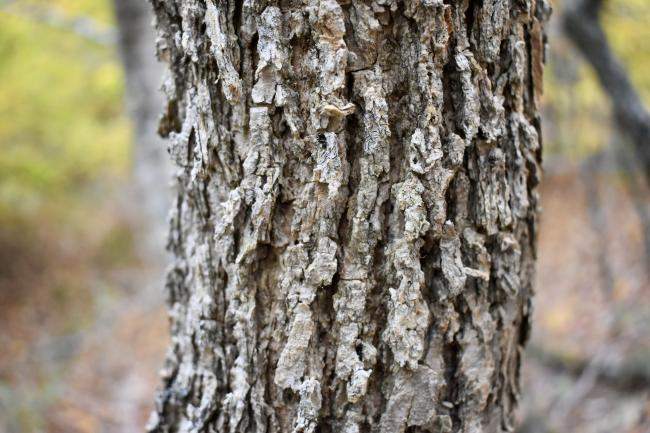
pixel 450 93
pixel 451 355
pixel 470 17
pixel 237 18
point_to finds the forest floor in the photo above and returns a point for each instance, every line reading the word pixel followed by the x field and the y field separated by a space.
pixel 83 328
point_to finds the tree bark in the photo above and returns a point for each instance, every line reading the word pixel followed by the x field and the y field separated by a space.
pixel 354 230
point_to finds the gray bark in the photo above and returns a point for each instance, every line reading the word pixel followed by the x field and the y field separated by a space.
pixel 152 170
pixel 354 228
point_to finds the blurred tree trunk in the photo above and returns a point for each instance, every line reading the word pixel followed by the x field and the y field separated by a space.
pixel 354 230
pixel 151 166
pixel 582 25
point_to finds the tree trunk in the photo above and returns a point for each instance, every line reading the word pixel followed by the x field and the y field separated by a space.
pixel 582 25
pixel 151 166
pixel 354 230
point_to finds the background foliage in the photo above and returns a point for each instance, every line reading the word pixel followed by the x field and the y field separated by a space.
pixel 62 126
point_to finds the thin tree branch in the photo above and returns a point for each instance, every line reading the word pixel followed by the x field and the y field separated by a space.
pixel 628 376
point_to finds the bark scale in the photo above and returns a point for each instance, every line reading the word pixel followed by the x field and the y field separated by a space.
pixel 354 230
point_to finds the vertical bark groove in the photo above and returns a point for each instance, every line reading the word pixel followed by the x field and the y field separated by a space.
pixel 354 230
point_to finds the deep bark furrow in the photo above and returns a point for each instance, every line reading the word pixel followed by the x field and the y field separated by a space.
pixel 354 235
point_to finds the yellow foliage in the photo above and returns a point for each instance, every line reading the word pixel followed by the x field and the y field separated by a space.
pixel 627 23
pixel 577 113
pixel 62 125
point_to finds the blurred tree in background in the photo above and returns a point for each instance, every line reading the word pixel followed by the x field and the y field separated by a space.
pixel 65 236
pixel 578 115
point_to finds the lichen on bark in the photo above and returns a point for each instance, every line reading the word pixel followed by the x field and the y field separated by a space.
pixel 354 228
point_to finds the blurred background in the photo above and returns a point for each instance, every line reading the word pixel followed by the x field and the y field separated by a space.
pixel 82 324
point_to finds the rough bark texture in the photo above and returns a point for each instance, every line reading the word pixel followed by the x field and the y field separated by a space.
pixel 354 232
